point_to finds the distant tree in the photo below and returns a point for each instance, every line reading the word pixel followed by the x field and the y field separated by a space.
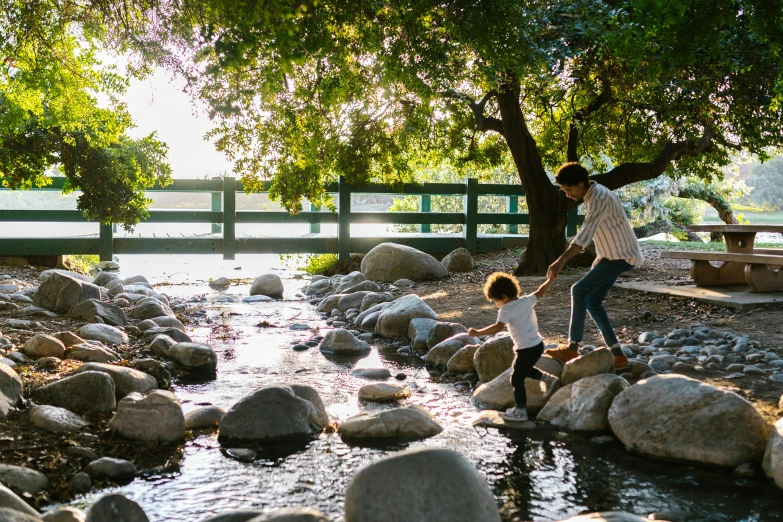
pixel 766 179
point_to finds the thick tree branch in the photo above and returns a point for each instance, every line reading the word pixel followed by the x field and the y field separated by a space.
pixel 483 123
pixel 628 173
pixel 579 117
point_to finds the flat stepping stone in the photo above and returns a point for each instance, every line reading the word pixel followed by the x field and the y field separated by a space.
pixel 257 299
pixel 371 373
pixel 492 419
pixel 299 326
pixel 381 392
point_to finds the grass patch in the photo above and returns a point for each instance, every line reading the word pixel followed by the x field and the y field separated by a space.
pixel 702 247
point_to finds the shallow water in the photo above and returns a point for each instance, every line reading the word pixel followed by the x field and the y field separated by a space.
pixel 541 475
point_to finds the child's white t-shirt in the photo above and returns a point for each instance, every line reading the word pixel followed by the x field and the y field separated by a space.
pixel 519 316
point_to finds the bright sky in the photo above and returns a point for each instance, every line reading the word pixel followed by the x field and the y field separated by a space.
pixel 158 104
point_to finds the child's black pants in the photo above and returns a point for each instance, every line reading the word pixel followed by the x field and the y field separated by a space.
pixel 523 367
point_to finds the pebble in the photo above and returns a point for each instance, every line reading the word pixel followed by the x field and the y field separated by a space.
pixel 400 376
pixel 80 483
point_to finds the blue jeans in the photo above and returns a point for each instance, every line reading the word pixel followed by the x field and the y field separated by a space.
pixel 589 293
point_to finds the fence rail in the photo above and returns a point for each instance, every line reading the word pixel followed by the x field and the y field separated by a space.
pixel 224 217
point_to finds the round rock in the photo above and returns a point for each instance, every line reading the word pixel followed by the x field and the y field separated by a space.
pixel 269 285
pixel 206 417
pixel 194 357
pixel 115 508
pixel 154 417
pixel 410 422
pixel 58 420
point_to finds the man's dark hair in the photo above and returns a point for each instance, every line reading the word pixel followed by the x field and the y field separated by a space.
pixel 572 174
pixel 500 285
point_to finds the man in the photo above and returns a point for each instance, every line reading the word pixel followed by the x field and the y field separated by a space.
pixel 617 251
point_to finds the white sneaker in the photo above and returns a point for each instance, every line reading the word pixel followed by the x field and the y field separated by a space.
pixel 515 414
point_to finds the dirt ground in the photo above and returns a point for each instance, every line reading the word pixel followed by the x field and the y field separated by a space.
pixel 459 298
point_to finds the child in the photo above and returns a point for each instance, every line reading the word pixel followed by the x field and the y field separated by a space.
pixel 518 313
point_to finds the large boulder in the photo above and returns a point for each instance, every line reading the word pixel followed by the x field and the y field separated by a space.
pixel 676 417
pixel 57 420
pixel 275 413
pixel 419 331
pixel 109 313
pixel 773 456
pixel 458 260
pixel 443 331
pixel 87 391
pixel 409 422
pixel 126 380
pixel 60 292
pixel 462 361
pixel 269 285
pixel 194 357
pixel 432 484
pixel 494 357
pixel 389 262
pixel 154 417
pixel 594 363
pixel 584 405
pixel 150 307
pixel 396 317
pixel 42 345
pixel 23 480
pixel 498 394
pixel 104 333
pixel 115 508
pixel 343 342
pixel 442 352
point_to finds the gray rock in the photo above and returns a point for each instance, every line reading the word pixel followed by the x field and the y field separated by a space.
pixel 353 300
pixel 60 292
pixel 371 321
pixel 149 307
pixel 319 287
pixel 134 280
pixel 381 392
pixel 418 331
pixel 167 321
pixel 364 286
pixel 753 370
pixel 80 482
pixel 91 353
pixel 773 455
pixel 374 298
pixel 257 299
pixel 584 405
pixel 348 281
pixel 432 484
pixel 160 345
pixel 205 417
pixel 676 417
pixel 110 313
pixel 10 385
pixel 462 361
pixel 104 333
pixel 371 373
pixel 11 501
pixel 87 391
pixel 594 363
pixel 146 324
pixel 115 508
pixel 498 394
pixel 23 480
pixel 108 468
pixel 396 317
pixel 103 278
pixel 169 331
pixel 343 342
pixel 458 260
pixel 442 352
pixel 42 345
pixel 275 413
pixel 156 416
pixel 390 262
pixel 442 331
pixel 236 516
pixel 194 357
pixel 681 367
pixel 329 303
pixel 269 285
pixel 65 514
pixel 11 515
pixel 609 516
pixel 292 515
pixel 58 420
pixel 404 283
pixel 126 380
pixel 494 357
pixel 82 453
pixel 409 422
pixel 648 337
pixel 221 283
pixel 68 338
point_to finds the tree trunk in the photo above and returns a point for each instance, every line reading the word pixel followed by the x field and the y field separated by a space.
pixel 547 206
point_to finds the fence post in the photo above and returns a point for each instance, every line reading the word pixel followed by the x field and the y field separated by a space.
pixel 512 207
pixel 343 219
pixel 106 242
pixel 571 223
pixel 315 228
pixel 217 206
pixel 470 207
pixel 425 205
pixel 229 217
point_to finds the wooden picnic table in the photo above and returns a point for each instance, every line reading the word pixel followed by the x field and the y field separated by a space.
pixel 742 263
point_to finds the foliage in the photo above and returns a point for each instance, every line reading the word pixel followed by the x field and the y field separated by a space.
pixel 320 264
pixel 83 264
pixel 60 108
pixel 767 182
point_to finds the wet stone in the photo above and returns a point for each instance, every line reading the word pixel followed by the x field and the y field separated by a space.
pixel 301 347
pixel 241 454
pixel 371 373
pixel 116 470
pixel 80 483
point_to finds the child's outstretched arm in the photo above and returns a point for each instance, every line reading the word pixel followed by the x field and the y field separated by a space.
pixel 544 288
pixel 489 330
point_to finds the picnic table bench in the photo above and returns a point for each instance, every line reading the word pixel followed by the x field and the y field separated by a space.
pixel 741 264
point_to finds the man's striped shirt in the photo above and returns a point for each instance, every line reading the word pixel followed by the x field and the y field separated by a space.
pixel 607 225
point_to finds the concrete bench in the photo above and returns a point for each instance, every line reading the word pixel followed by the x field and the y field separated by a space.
pixel 760 270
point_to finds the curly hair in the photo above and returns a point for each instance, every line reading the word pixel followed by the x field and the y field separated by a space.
pixel 572 174
pixel 500 285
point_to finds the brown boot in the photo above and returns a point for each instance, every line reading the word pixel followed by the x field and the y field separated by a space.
pixel 562 353
pixel 621 364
